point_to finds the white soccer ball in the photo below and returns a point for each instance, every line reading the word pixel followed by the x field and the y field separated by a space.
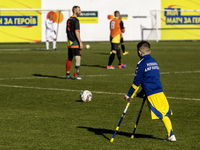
pixel 86 96
pixel 87 46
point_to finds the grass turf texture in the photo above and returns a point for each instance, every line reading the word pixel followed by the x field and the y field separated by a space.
pixel 39 109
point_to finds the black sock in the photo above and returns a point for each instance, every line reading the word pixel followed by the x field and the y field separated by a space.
pixel 111 58
pixel 119 57
pixel 67 74
pixel 123 48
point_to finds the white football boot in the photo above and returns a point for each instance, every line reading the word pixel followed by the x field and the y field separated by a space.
pixel 171 138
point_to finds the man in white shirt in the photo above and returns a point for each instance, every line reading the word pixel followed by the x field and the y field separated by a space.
pixel 50 32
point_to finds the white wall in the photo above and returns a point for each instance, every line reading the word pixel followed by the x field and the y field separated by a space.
pixel 100 31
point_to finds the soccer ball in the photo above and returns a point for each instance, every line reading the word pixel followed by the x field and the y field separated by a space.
pixel 86 96
pixel 87 46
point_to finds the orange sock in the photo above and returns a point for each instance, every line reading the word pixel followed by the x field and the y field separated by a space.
pixel 68 65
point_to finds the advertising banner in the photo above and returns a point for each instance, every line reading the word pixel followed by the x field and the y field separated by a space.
pixel 178 24
pixel 96 16
pixel 20 26
pixel 88 17
pixel 29 26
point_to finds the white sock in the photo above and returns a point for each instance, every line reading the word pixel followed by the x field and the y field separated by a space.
pixel 47 45
pixel 54 44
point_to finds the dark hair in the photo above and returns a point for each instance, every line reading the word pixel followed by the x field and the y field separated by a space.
pixel 115 13
pixel 143 44
pixel 74 8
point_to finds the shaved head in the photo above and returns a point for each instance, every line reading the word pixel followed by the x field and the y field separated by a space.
pixel 117 13
pixel 144 47
pixel 74 8
pixel 76 11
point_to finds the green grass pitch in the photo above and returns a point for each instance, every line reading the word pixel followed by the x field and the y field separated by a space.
pixel 40 109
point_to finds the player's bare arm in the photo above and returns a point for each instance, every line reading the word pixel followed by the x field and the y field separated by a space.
pixel 79 39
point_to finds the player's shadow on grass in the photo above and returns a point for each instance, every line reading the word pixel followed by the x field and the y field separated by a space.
pixel 103 53
pixel 93 66
pixel 80 101
pixel 101 132
pixel 48 76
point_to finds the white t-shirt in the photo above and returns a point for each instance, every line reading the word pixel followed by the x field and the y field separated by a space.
pixel 49 30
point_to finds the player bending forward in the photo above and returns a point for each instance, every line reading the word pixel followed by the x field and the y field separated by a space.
pixel 50 32
pixel 116 28
pixel 147 74
pixel 74 43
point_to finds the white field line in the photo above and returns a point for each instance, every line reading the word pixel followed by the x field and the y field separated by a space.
pixel 25 49
pixel 56 89
pixel 179 98
pixel 20 78
pixel 99 75
pixel 70 90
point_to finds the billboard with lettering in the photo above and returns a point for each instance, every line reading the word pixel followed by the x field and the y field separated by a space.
pixel 88 17
pixel 20 26
pixel 179 24
pixel 28 26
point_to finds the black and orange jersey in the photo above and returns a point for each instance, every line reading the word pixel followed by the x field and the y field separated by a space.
pixel 116 27
pixel 72 26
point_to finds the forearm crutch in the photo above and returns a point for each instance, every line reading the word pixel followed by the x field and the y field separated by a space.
pixel 127 105
pixel 132 136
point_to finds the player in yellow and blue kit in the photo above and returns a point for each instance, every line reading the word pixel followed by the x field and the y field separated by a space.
pixel 147 74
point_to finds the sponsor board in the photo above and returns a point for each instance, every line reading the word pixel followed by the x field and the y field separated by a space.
pixel 18 21
pixel 20 26
pixel 123 17
pixel 88 17
pixel 178 24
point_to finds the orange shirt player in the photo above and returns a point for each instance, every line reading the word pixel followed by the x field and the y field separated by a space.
pixel 116 29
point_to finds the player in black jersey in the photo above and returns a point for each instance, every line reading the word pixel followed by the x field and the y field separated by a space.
pixel 74 43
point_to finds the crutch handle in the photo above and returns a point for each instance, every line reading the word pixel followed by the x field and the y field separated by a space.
pixel 130 99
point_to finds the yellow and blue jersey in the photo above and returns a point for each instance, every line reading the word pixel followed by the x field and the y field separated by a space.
pixel 147 74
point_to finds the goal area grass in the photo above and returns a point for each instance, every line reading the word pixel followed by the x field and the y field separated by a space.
pixel 40 109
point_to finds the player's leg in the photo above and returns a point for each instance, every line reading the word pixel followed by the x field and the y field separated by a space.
pixel 160 109
pixel 112 55
pixel 119 56
pixel 54 44
pixel 77 64
pixel 168 126
pixel 123 46
pixel 54 41
pixel 47 40
pixel 68 63
pixel 77 60
pixel 47 44
pixel 111 49
pixel 120 65
pixel 111 59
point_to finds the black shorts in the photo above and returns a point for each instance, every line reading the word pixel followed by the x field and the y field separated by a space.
pixel 114 46
pixel 74 52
